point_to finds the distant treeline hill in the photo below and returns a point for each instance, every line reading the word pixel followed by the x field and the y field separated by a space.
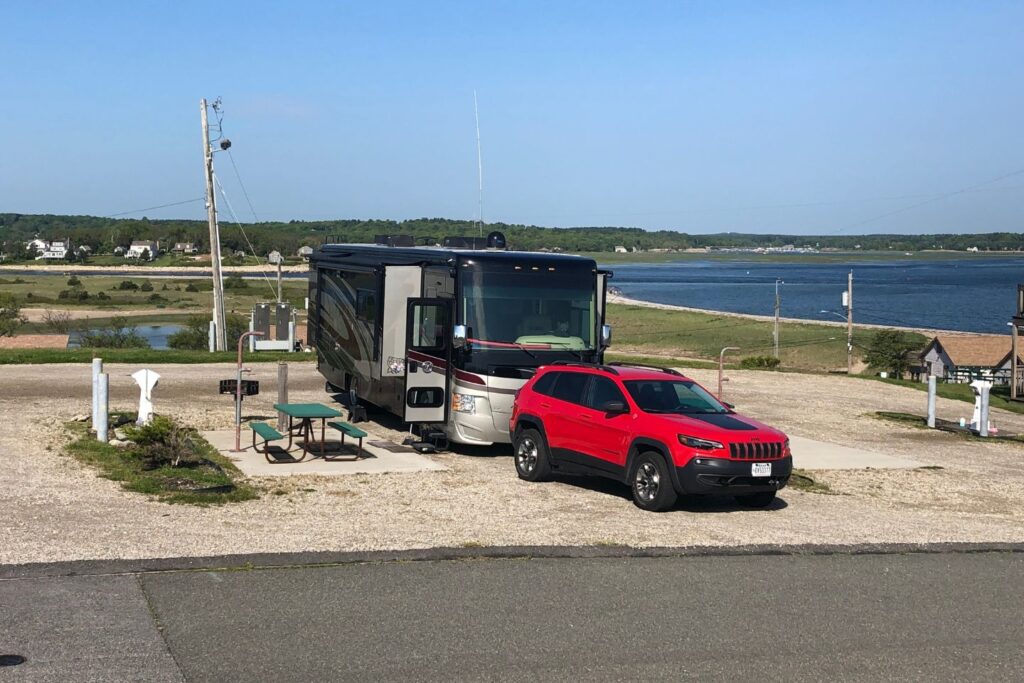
pixel 102 235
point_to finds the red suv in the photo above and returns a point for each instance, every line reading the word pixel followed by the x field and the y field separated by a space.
pixel 651 428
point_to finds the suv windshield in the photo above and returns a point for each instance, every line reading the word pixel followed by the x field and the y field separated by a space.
pixel 673 396
pixel 533 307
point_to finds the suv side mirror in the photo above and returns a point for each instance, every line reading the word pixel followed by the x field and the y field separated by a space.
pixel 459 335
pixel 728 405
pixel 606 336
pixel 614 408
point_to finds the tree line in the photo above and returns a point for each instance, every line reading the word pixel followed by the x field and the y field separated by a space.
pixel 103 235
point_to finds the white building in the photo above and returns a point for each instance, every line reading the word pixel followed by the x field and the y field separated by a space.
pixel 141 247
pixel 184 248
pixel 305 252
pixel 57 250
pixel 621 250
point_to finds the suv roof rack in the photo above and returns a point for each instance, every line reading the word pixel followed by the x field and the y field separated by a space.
pixel 581 364
pixel 669 371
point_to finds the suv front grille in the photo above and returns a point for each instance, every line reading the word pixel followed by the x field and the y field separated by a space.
pixel 756 451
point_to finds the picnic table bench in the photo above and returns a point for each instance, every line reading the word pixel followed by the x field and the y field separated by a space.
pixel 346 429
pixel 267 432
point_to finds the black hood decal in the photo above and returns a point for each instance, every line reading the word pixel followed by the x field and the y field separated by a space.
pixel 723 421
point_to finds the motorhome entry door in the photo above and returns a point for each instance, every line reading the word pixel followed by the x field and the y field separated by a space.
pixel 428 333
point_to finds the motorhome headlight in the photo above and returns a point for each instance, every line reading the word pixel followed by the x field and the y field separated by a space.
pixel 699 444
pixel 463 403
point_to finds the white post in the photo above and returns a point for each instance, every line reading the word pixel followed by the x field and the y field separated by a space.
pixel 103 395
pixel 932 381
pixel 97 369
pixel 252 339
pixel 291 336
pixel 212 336
pixel 983 416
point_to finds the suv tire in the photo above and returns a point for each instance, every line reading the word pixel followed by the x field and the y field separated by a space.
pixel 651 483
pixel 756 500
pixel 531 455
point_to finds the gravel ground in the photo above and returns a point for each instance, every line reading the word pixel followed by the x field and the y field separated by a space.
pixel 56 509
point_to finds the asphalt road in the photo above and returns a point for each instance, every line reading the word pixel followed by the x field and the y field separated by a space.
pixel 840 617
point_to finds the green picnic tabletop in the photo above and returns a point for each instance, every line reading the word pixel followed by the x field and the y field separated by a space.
pixel 310 410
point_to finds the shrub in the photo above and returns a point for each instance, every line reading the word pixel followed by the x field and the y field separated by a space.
pixel 57 322
pixel 155 298
pixel 118 334
pixel 191 287
pixel 235 282
pixel 103 295
pixel 760 362
pixel 889 349
pixel 195 335
pixel 127 285
pixel 73 281
pixel 147 286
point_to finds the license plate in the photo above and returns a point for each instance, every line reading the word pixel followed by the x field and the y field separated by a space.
pixel 761 469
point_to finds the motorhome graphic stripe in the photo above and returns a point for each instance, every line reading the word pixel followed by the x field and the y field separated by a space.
pixel 469 378
pixel 424 358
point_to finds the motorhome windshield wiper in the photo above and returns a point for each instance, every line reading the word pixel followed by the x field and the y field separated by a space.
pixel 512 345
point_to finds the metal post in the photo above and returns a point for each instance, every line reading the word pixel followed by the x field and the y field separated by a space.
pixel 282 394
pixel 983 413
pixel 775 334
pixel 103 392
pixel 212 336
pixel 721 366
pixel 279 259
pixel 238 391
pixel 97 369
pixel 932 381
pixel 849 324
pixel 1014 371
pixel 211 217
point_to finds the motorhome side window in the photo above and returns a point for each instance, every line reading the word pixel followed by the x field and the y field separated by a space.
pixel 429 326
pixel 366 305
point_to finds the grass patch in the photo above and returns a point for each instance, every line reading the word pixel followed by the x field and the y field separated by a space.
pixel 207 478
pixel 999 397
pixel 906 419
pixel 802 481
pixel 660 361
pixel 803 346
pixel 38 356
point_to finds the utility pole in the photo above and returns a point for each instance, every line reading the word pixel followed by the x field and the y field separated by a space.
pixel 220 339
pixel 775 334
pixel 849 324
pixel 479 170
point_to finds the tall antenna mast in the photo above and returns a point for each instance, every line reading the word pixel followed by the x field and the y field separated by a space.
pixel 480 171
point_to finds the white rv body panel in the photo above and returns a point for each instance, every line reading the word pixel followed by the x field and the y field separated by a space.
pixel 401 283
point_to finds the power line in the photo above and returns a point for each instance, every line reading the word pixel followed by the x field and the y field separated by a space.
pixel 934 199
pixel 152 208
pixel 238 176
pixel 245 236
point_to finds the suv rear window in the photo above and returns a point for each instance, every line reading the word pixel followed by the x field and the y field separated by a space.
pixel 545 383
pixel 602 391
pixel 569 386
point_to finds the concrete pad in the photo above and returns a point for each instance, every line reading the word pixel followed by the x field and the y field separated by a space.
pixel 373 460
pixel 809 454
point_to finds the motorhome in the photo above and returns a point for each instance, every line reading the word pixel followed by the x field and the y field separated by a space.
pixel 444 337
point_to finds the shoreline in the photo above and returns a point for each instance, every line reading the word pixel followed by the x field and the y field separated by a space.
pixel 927 331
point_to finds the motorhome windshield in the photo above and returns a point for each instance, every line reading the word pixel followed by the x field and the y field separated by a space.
pixel 534 308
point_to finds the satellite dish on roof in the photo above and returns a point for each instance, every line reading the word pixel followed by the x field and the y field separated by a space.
pixel 495 240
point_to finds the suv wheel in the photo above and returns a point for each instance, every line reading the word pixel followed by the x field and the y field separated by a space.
pixel 756 500
pixel 652 484
pixel 531 456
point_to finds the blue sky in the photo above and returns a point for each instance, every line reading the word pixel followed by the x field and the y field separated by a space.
pixel 814 118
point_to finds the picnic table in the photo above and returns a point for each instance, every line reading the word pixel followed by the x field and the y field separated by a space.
pixel 305 413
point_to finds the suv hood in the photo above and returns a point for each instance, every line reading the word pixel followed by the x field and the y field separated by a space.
pixel 726 427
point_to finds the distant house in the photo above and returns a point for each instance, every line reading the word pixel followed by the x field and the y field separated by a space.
pixel 184 248
pixel 119 251
pixel 143 249
pixel 56 250
pixel 239 253
pixel 84 250
pixel 621 250
pixel 275 257
pixel 38 246
pixel 965 358
pixel 305 252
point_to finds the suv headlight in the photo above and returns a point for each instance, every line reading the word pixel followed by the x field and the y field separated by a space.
pixel 699 444
pixel 464 403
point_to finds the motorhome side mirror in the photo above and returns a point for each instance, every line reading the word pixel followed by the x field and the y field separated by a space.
pixel 614 407
pixel 459 335
pixel 606 336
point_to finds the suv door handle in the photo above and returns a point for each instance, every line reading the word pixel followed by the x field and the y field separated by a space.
pixel 545 405
pixel 584 416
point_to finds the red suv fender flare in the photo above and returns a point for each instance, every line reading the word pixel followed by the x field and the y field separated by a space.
pixel 526 420
pixel 641 444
